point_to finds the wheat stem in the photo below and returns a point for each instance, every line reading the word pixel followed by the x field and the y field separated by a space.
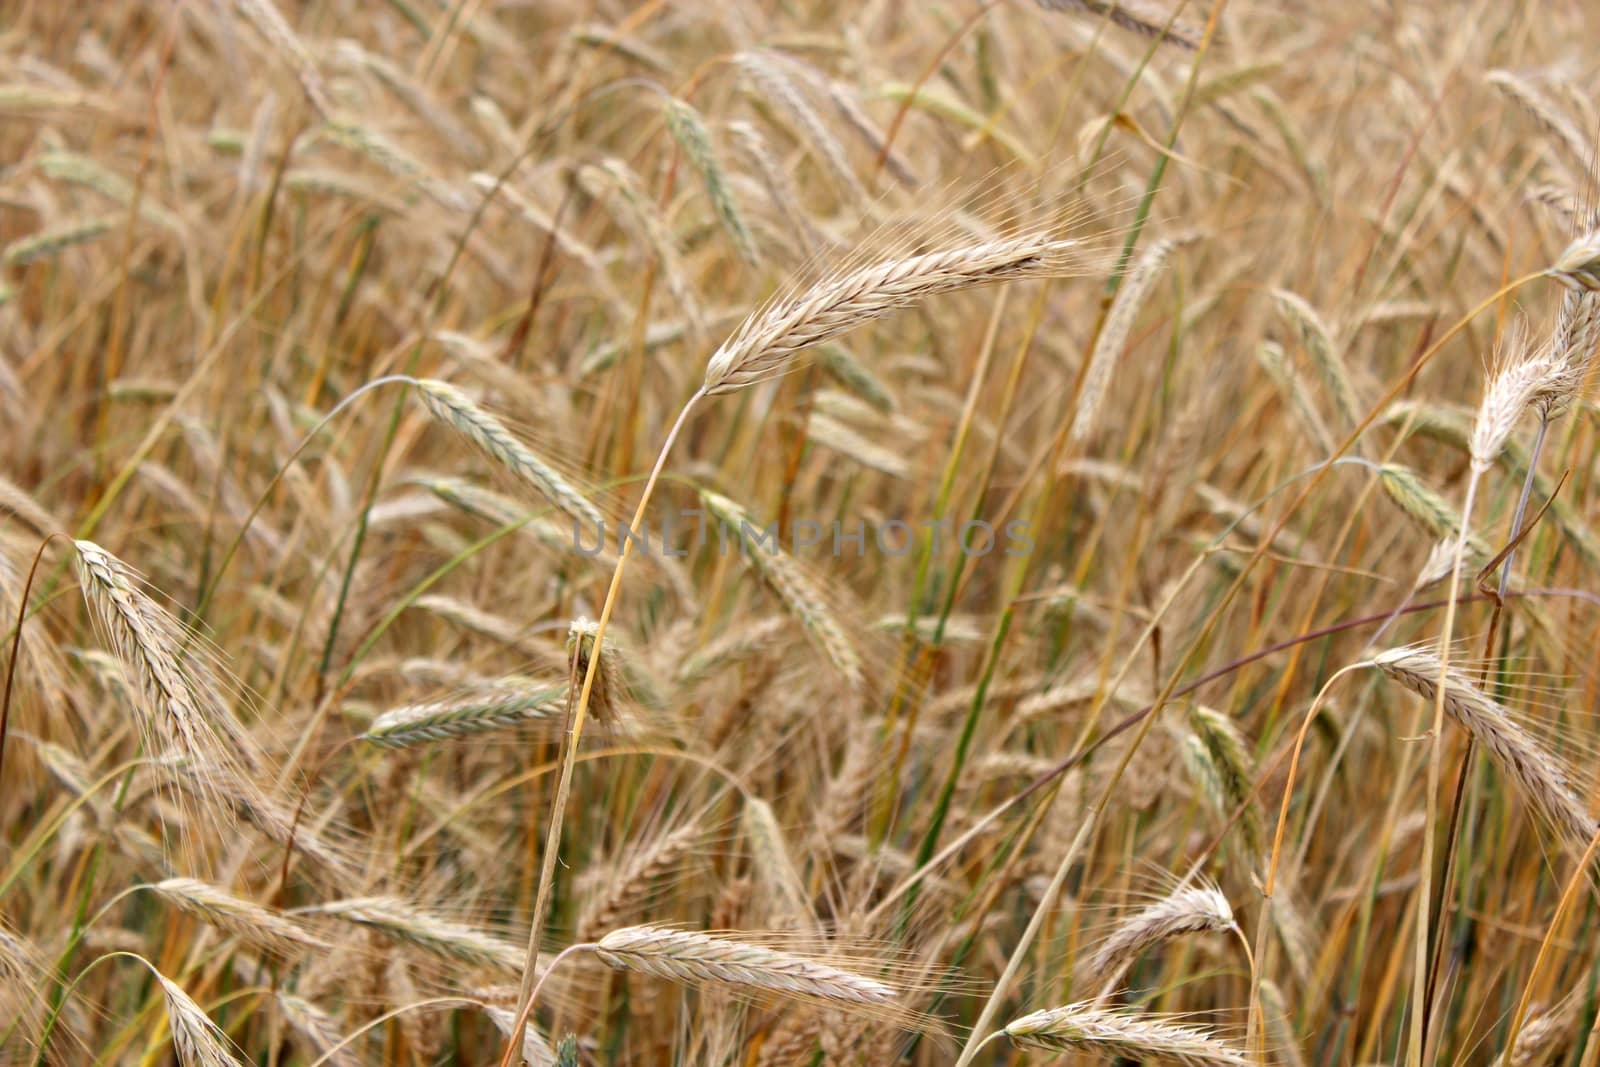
pixel 575 732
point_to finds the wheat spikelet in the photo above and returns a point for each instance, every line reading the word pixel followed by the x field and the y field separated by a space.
pixel 1519 755
pixel 849 108
pixel 1578 265
pixel 767 341
pixel 499 707
pixel 197 1041
pixel 1572 345
pixel 269 22
pixel 497 628
pixel 1113 1033
pixel 1188 909
pixel 791 587
pixel 774 865
pixel 414 96
pixel 82 170
pixel 536 1050
pixel 844 368
pixel 607 691
pixel 736 645
pixel 1520 379
pixel 1527 96
pixel 1235 767
pixel 250 921
pixel 689 130
pixel 1325 356
pixel 772 75
pixel 178 699
pixel 397 161
pixel 774 178
pixel 317 1028
pixel 1114 335
pixel 646 221
pixel 1139 16
pixel 1451 428
pixel 1542 1036
pixel 1425 506
pixel 64 767
pixel 47 244
pixel 324 181
pixel 610 893
pixel 837 437
pixel 542 221
pixel 608 38
pixel 428 931
pixel 1275 1012
pixel 452 407
pixel 20 972
pixel 1270 355
pixel 697 958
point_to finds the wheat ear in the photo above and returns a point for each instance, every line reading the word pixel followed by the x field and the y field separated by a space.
pixel 197 1041
pixel 798 594
pixel 250 921
pixel 452 407
pixel 432 933
pixel 1519 754
pixel 1190 909
pixel 498 707
pixel 697 958
pixel 1121 1034
pixel 763 346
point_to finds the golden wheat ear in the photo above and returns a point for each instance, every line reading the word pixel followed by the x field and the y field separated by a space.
pixel 764 346
pixel 1085 1028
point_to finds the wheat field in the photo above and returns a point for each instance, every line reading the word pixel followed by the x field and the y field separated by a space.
pixel 763 534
